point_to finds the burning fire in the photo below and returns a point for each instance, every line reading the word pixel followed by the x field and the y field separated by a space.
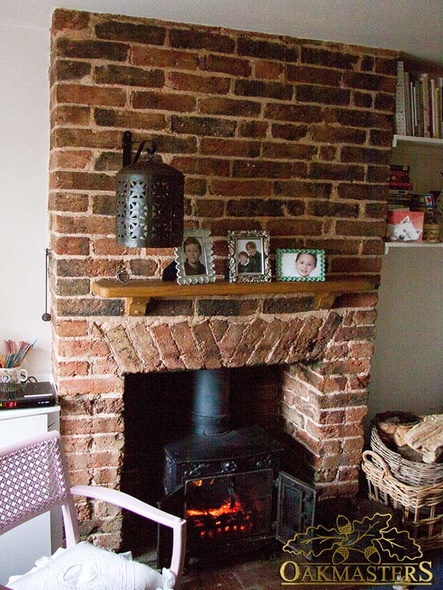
pixel 226 508
pixel 227 519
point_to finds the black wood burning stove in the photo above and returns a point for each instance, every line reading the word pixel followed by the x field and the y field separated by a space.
pixel 227 482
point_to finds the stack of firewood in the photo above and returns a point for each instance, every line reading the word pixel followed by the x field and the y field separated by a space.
pixel 420 441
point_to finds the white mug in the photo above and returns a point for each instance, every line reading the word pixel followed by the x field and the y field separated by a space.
pixel 13 375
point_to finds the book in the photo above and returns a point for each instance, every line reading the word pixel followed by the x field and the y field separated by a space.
pixel 401 185
pixel 401 167
pixel 398 176
pixel 400 111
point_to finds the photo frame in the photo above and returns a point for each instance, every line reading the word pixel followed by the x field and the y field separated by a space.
pixel 194 258
pixel 300 265
pixel 249 257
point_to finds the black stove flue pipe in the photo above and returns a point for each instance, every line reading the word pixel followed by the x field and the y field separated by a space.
pixel 211 413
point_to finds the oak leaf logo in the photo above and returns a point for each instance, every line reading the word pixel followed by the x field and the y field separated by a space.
pixel 370 537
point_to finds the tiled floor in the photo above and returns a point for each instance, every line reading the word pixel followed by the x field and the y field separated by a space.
pixel 261 574
pixel 253 575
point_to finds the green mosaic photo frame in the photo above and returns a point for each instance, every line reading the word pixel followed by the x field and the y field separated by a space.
pixel 300 264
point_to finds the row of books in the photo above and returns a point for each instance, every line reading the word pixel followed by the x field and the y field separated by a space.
pixel 402 197
pixel 400 187
pixel 419 104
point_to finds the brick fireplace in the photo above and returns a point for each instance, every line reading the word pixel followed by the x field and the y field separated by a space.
pixel 287 135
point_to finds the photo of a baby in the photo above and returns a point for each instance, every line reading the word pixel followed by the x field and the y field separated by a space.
pixel 300 265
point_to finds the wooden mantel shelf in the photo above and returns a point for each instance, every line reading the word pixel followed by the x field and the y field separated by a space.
pixel 138 293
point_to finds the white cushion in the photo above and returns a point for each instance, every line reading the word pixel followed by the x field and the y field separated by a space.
pixel 86 567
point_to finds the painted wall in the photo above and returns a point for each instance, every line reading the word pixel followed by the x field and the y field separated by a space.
pixel 24 153
pixel 407 368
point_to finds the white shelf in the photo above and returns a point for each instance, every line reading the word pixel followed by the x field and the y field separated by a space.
pixel 389 245
pixel 423 141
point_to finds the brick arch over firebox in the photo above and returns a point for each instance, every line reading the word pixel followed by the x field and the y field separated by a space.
pixel 140 346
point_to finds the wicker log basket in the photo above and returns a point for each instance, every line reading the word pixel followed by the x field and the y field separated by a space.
pixel 413 487
pixel 407 471
pixel 421 506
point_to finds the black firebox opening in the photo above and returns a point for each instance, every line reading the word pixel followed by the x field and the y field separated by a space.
pixel 225 474
pixel 163 409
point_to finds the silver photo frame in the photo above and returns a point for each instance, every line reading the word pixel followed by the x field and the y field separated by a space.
pixel 194 258
pixel 300 265
pixel 249 257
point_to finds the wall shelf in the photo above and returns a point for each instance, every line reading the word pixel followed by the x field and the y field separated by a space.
pixel 389 245
pixel 137 294
pixel 417 141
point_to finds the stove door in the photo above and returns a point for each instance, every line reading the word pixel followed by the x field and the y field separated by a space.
pixel 296 503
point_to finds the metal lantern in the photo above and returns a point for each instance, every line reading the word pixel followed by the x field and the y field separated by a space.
pixel 150 200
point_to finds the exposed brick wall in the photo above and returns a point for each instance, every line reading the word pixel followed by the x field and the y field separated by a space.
pixel 276 133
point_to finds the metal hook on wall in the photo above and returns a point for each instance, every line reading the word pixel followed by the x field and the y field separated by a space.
pixel 46 317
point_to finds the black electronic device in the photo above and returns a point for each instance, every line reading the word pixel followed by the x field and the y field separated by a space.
pixel 31 394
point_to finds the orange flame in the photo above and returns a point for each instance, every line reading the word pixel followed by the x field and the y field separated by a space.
pixel 225 508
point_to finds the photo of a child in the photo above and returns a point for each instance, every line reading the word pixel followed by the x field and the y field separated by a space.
pixel 243 262
pixel 194 259
pixel 255 257
pixel 305 263
pixel 248 256
pixel 300 265
pixel 193 251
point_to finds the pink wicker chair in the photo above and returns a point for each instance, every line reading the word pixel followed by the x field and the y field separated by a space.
pixel 34 479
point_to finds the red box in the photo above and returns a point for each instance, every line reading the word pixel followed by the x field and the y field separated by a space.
pixel 405 226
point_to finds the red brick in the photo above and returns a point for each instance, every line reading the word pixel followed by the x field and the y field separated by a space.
pixel 72 328
pixel 74 160
pixel 73 369
pixel 226 65
pixel 163 58
pixel 81 386
pixel 167 347
pixel 90 95
pixel 72 115
pixel 70 20
pixel 83 181
pixel 67 201
pixel 104 367
pixel 269 70
pixel 71 245
pixel 184 340
pixel 82 348
pixel 146 347
pixel 207 345
pixel 92 224
pixel 201 38
pixel 177 102
pixel 240 187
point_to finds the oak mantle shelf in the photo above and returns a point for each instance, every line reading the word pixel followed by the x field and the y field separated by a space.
pixel 138 293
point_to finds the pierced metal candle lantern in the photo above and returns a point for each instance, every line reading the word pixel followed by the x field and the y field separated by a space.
pixel 150 201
